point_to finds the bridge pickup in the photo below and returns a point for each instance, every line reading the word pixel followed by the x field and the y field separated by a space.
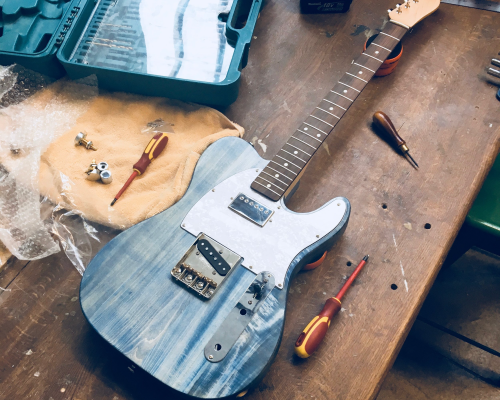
pixel 214 257
pixel 205 266
pixel 251 209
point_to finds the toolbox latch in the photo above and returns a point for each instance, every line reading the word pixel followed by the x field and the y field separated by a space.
pixel 67 25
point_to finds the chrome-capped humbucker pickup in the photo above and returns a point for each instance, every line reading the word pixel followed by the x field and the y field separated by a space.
pixel 251 209
pixel 205 266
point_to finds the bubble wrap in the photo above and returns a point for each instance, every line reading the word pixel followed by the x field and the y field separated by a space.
pixel 26 130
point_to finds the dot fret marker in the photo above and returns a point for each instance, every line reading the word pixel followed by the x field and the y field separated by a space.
pixel 288 164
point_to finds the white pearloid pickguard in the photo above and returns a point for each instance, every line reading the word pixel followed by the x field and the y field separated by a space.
pixel 271 247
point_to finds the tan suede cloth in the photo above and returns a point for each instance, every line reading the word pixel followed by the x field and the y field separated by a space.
pixel 114 123
pixel 5 254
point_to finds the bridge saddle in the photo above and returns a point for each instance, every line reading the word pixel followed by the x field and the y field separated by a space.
pixel 205 266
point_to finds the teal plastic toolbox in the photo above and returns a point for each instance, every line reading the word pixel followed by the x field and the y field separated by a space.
pixel 192 50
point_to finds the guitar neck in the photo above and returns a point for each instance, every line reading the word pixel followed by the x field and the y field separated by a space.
pixel 284 170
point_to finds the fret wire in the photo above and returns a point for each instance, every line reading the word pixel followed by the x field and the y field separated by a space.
pixel 333 115
pixel 315 148
pixel 319 119
pixel 305 152
pixel 345 84
pixel 365 67
pixel 381 47
pixel 333 91
pixel 266 187
pixel 274 184
pixel 281 173
pixel 288 161
pixel 284 183
pixel 335 104
pixel 305 162
pixel 386 34
pixel 361 79
pixel 277 176
pixel 312 126
pixel 375 58
pixel 311 136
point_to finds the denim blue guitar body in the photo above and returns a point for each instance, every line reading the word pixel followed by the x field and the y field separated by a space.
pixel 131 299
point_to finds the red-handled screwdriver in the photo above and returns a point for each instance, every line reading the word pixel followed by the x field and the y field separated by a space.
pixel 313 334
pixel 152 151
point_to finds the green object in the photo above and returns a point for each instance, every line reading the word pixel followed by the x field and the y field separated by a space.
pixel 485 212
pixel 188 50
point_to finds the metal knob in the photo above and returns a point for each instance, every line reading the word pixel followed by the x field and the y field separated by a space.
pixel 102 166
pixel 106 177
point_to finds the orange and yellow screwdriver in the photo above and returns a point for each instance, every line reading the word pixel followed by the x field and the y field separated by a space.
pixel 313 334
pixel 152 151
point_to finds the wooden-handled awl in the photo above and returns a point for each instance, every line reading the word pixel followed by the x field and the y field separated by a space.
pixel 383 122
pixel 313 334
pixel 152 151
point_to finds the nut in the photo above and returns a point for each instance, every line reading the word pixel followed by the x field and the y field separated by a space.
pixel 106 177
pixel 102 166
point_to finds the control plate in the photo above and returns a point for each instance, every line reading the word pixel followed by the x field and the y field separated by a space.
pixel 240 316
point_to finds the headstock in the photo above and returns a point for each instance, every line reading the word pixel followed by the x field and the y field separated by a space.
pixel 412 11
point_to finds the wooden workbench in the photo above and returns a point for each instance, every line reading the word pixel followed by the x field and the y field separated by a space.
pixel 405 219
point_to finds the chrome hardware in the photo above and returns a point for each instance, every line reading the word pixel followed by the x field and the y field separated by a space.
pixel 494 72
pixel 93 175
pixel 106 177
pixel 102 166
pixel 238 319
pixel 91 167
pixel 197 272
pixel 251 209
pixel 80 140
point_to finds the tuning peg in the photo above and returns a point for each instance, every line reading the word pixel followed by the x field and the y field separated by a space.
pixel 398 8
pixel 407 4
pixel 390 10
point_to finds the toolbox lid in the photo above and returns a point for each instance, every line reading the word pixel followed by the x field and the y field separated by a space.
pixel 172 48
pixel 32 30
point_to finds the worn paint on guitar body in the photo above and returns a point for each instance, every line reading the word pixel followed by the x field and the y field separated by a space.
pixel 130 298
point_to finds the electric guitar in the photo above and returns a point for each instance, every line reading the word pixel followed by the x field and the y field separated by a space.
pixel 196 295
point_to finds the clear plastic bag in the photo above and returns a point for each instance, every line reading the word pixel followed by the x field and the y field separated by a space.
pixel 29 224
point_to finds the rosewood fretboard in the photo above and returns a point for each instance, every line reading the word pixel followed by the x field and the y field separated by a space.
pixel 284 169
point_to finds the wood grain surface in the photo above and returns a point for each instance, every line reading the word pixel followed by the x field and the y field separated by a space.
pixel 441 101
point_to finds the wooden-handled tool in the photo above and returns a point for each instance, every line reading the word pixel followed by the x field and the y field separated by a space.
pixel 313 334
pixel 383 122
pixel 152 151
